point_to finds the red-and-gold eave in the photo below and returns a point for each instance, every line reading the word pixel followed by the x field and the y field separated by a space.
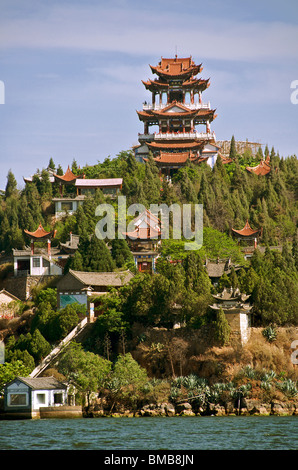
pixel 40 233
pixel 174 72
pixel 200 113
pixel 68 177
pixel 193 145
pixel 262 169
pixel 246 231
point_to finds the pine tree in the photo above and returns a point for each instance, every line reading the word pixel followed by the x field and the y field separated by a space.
pixel 233 151
pixel 222 328
pixel 11 185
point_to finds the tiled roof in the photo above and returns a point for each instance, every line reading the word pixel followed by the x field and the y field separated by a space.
pixel 99 182
pixel 67 177
pixel 115 279
pixel 263 168
pixel 247 231
pixel 40 233
pixel 43 383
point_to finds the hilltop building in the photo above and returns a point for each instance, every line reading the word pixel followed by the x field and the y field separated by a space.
pixel 175 111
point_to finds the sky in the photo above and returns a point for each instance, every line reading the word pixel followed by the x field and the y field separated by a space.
pixel 71 74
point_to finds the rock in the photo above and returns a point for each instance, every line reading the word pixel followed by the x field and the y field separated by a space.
pixel 187 413
pixel 255 407
pixel 281 409
pixel 183 406
pixel 170 410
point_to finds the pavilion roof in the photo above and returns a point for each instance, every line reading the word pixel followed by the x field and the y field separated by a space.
pixel 246 231
pixel 263 168
pixel 40 233
pixel 176 67
pixel 68 176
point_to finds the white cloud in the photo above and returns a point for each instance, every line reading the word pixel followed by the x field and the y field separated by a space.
pixel 137 31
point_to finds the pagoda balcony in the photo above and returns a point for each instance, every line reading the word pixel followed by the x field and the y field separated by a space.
pixel 192 106
pixel 184 135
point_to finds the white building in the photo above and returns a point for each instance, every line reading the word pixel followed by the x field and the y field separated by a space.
pixel 24 396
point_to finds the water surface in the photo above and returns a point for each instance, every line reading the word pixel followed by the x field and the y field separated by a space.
pixel 176 433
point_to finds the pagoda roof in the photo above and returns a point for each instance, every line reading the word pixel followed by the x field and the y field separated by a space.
pixel 263 168
pixel 172 158
pixel 175 145
pixel 231 295
pixel 40 233
pixel 247 231
pixel 68 177
pixel 176 109
pixel 155 84
pixel 176 67
pixel 196 83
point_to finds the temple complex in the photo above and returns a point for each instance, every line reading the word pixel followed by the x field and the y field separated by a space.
pixel 171 119
pixel 144 240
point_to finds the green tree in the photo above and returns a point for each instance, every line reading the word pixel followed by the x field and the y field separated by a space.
pixel 10 370
pixel 233 152
pixel 88 371
pixel 11 185
pixel 127 380
pixel 222 328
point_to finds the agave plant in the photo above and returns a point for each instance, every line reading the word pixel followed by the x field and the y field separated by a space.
pixel 249 372
pixel 270 333
pixel 242 391
pixel 288 387
pixel 268 376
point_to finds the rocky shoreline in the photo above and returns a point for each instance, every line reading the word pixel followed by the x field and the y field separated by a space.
pixel 249 407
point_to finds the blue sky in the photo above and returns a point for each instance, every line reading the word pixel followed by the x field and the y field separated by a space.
pixel 72 72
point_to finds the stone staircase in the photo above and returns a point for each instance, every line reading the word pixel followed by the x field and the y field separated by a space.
pixel 78 330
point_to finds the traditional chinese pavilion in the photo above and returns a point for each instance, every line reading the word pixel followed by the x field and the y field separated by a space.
pixel 41 234
pixel 143 240
pixel 69 178
pixel 247 234
pixel 175 111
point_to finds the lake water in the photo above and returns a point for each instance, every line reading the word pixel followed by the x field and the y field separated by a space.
pixel 176 433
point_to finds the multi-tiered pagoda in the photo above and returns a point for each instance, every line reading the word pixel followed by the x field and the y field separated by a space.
pixel 172 118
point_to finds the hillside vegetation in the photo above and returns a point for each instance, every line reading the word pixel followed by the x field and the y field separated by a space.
pixel 140 316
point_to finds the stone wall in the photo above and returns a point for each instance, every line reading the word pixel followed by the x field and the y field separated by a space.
pixel 21 286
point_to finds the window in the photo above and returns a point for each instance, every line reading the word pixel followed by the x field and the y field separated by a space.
pixel 41 398
pixel 36 262
pixel 58 398
pixel 66 206
pixel 17 399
